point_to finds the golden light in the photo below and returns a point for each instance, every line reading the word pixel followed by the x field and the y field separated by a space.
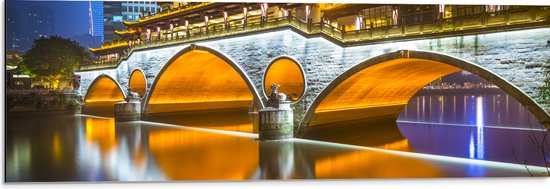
pixel 199 80
pixel 289 75
pixel 236 17
pixel 199 24
pixel 230 120
pixel 57 149
pixel 196 155
pixel 101 132
pixel 379 90
pixel 102 96
pixel 137 82
pixel 374 164
pixel 255 12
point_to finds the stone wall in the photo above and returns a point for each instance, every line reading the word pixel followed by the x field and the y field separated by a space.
pixel 516 56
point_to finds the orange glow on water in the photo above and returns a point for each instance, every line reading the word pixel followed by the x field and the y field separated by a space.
pixel 199 81
pixel 137 82
pixel 389 84
pixel 140 157
pixel 101 132
pixel 57 148
pixel 368 164
pixel 288 74
pixel 229 120
pixel 197 155
pixel 401 145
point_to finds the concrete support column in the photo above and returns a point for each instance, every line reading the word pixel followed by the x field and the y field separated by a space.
pixel 276 120
pixel 129 110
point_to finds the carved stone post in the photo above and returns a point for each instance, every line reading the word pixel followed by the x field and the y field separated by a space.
pixel 276 120
pixel 130 109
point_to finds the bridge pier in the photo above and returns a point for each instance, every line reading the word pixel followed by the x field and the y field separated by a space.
pixel 129 110
pixel 277 119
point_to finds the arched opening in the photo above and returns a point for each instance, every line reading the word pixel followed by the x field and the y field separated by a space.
pixel 379 88
pixel 138 82
pixel 203 88
pixel 288 74
pixel 102 95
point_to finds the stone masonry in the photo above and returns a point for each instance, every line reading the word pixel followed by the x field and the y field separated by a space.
pixel 517 56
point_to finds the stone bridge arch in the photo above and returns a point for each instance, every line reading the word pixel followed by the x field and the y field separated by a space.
pixel 103 93
pixel 381 87
pixel 200 78
pixel 287 72
pixel 137 82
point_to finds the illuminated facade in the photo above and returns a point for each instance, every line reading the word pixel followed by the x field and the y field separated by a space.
pixel 96 19
pixel 325 41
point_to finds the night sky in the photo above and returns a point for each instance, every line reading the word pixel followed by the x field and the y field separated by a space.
pixel 70 17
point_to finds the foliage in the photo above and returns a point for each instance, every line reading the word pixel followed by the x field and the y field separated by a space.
pixel 74 103
pixel 54 58
pixel 13 58
pixel 50 101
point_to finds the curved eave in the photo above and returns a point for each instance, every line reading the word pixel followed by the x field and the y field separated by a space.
pixel 125 33
pixel 109 47
pixel 129 23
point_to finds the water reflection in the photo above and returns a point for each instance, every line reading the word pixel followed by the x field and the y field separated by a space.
pixel 225 119
pixel 195 155
pixel 479 151
pixel 498 109
pixel 81 148
pixel 484 126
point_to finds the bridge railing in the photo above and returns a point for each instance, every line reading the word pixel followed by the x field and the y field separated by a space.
pixel 254 24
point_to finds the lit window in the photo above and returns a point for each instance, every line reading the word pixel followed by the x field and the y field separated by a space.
pixel 117 18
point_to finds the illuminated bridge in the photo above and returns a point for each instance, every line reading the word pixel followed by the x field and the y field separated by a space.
pixel 330 77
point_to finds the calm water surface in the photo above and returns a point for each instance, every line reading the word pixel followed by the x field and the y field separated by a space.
pixel 440 136
pixel 489 127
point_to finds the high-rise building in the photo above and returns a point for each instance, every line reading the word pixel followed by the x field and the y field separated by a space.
pixel 41 22
pixel 96 19
pixel 132 10
pixel 116 11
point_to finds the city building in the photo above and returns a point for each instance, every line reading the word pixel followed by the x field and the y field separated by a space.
pixel 116 11
pixel 96 19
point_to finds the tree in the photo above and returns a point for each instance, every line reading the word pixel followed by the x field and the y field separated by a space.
pixel 13 58
pixel 54 58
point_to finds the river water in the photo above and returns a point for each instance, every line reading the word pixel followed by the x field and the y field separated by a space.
pixel 439 136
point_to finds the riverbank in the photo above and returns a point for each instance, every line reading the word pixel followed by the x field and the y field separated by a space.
pixel 44 100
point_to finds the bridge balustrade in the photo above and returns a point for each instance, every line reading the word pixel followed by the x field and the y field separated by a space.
pixel 537 15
